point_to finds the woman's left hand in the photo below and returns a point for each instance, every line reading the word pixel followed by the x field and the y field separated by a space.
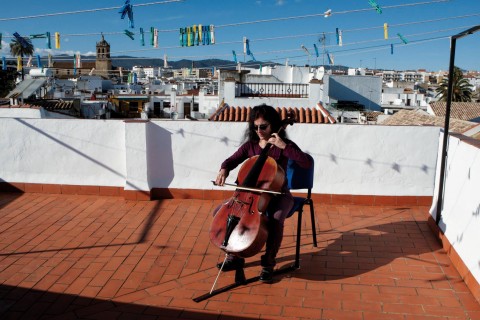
pixel 277 141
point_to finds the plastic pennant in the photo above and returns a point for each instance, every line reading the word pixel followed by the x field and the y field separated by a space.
pixel 391 49
pixel 29 62
pixel 234 56
pixel 152 36
pixel 340 38
pixel 165 62
pixel 4 63
pixel 39 61
pixel 50 61
pixel 385 31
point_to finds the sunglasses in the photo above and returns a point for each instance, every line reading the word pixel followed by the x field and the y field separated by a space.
pixel 262 127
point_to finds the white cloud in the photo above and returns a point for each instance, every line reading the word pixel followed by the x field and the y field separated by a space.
pixel 279 2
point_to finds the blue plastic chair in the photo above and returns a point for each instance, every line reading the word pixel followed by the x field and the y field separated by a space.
pixel 301 178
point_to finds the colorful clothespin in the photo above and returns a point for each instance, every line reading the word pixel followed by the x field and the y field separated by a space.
pixel 4 63
pixel 19 63
pixel 29 62
pixel 200 34
pixel 305 49
pixel 129 34
pixel 21 40
pixel 385 31
pixel 39 61
pixel 165 62
pixel 152 36
pixel 49 41
pixel 253 58
pixel 127 10
pixel 405 41
pixel 50 61
pixel 391 49
pixel 79 60
pixel 142 37
pixel 74 65
pixel 189 37
pixel 206 35
pixel 327 13
pixel 0 41
pixel 38 36
pixel 155 37
pixel 181 36
pixel 195 34
pixel 246 46
pixel 375 5
pixel 212 34
pixel 330 58
pixel 316 49
pixel 234 56
pixel 57 40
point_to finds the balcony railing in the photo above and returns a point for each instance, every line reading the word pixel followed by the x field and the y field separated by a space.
pixel 279 90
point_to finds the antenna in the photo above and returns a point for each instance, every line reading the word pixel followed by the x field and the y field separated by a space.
pixel 322 39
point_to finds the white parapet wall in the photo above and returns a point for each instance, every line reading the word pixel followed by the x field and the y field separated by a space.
pixel 460 216
pixel 349 159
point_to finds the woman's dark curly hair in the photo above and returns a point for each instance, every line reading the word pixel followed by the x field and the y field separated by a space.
pixel 270 115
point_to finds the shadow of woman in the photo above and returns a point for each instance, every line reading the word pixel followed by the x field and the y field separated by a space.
pixel 372 248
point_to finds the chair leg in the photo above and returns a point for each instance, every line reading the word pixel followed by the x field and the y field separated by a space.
pixel 299 230
pixel 312 216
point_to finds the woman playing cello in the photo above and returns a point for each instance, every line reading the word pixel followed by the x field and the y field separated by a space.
pixel 265 126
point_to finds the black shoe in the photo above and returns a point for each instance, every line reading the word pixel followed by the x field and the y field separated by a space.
pixel 266 275
pixel 231 265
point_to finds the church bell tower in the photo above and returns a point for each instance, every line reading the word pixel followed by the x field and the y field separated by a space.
pixel 103 63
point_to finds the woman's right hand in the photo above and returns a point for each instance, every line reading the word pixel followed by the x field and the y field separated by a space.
pixel 221 177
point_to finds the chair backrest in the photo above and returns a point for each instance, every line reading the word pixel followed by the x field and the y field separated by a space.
pixel 298 177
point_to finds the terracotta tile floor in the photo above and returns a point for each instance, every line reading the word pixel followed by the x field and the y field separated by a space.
pixel 89 257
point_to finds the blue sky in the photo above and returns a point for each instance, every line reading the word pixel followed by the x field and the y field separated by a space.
pixel 276 29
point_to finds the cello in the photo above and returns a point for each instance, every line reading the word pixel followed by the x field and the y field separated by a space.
pixel 239 226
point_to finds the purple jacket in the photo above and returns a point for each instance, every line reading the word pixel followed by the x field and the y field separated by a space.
pixel 250 149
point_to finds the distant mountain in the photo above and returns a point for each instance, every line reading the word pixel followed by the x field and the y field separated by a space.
pixel 127 62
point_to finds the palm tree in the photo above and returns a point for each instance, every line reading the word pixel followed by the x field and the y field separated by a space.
pixel 19 50
pixel 462 90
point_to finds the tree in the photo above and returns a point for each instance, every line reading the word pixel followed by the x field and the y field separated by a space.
pixel 19 50
pixel 7 81
pixel 462 90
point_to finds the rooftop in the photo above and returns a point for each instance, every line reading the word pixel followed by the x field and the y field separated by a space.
pixel 91 257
